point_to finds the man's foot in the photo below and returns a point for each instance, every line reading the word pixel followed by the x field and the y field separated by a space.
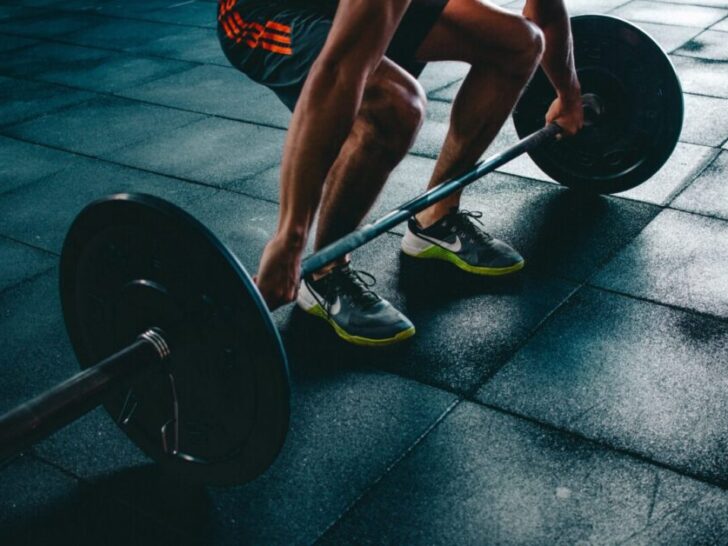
pixel 344 299
pixel 456 238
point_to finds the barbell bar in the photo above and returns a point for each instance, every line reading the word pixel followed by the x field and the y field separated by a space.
pixel 198 376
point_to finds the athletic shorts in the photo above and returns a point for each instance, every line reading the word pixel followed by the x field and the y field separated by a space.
pixel 275 42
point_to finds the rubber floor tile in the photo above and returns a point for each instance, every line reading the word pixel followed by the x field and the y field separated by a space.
pixel 482 477
pixel 101 126
pixel 22 163
pixel 21 262
pixel 22 100
pixel 704 120
pixel 42 505
pixel 631 374
pixel 218 91
pixel 709 193
pixel 114 73
pixel 702 77
pixel 708 45
pixel 684 15
pixel 679 259
pixel 41 213
pixel 212 151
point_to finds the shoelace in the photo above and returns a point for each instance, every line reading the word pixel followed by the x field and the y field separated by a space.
pixel 356 284
pixel 463 219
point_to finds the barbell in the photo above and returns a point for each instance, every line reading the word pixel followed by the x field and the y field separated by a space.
pixel 198 376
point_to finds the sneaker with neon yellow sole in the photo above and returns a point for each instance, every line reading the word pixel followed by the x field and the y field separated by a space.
pixel 344 299
pixel 457 238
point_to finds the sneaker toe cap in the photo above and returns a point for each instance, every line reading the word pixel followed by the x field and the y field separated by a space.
pixel 500 254
pixel 382 320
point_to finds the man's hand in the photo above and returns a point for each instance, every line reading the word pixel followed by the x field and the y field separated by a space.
pixel 278 275
pixel 558 62
pixel 568 114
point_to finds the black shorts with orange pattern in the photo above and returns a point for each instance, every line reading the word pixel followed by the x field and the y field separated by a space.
pixel 275 42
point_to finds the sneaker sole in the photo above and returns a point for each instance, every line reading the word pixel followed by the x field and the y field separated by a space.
pixel 435 252
pixel 318 311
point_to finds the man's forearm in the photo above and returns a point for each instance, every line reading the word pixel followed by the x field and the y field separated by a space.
pixel 558 58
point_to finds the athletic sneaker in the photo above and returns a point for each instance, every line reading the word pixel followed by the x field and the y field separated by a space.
pixel 457 238
pixel 344 299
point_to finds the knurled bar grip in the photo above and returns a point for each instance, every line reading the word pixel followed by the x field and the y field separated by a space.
pixel 367 232
pixel 52 410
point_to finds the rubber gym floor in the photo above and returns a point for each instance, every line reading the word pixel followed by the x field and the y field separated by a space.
pixel 583 401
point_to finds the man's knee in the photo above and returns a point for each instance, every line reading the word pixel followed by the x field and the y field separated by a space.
pixel 523 53
pixel 529 55
pixel 526 51
pixel 394 110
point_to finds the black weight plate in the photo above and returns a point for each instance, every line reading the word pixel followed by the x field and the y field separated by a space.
pixel 131 262
pixel 642 106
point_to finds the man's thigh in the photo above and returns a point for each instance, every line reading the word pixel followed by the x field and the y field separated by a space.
pixel 473 31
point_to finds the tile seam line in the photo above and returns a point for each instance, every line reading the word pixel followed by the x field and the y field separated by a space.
pixel 718 483
pixel 26 243
pixel 694 57
pixel 650 523
pixel 25 281
pixel 56 40
pixel 704 95
pixel 510 355
pixel 118 95
pixel 95 96
pixel 639 22
pixel 390 467
pixel 689 181
pixel 116 17
pixel 84 482
pixel 697 4
pixel 672 306
pixel 685 185
pixel 553 183
pixel 691 93
pixel 55 10
pixel 724 144
pixel 677 208
pixel 118 164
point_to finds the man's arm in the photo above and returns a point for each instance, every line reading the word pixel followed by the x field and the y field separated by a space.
pixel 323 118
pixel 558 61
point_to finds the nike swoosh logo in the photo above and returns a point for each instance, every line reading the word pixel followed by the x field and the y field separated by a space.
pixel 335 307
pixel 455 246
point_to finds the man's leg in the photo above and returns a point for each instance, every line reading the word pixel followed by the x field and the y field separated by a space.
pixel 391 114
pixel 503 50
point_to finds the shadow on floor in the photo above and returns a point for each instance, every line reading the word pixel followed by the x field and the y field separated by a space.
pixel 136 506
